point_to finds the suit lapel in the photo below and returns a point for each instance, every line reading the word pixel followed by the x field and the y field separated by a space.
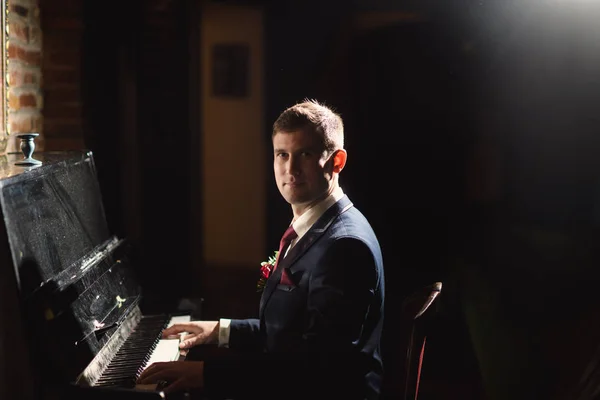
pixel 318 229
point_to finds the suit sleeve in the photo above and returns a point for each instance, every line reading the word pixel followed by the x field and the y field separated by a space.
pixel 245 335
pixel 341 289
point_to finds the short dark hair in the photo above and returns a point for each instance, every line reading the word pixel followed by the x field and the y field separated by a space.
pixel 315 116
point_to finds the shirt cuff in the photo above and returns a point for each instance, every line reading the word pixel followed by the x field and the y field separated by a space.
pixel 224 329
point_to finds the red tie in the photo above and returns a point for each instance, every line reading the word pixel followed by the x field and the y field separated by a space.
pixel 289 235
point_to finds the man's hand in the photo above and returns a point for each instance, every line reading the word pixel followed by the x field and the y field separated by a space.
pixel 179 375
pixel 196 333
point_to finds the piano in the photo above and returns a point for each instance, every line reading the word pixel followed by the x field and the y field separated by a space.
pixel 71 323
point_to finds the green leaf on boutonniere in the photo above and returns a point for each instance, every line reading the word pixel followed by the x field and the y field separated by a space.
pixel 266 268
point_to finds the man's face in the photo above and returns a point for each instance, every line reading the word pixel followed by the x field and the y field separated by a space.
pixel 302 172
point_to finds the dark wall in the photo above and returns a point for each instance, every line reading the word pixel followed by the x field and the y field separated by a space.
pixel 532 251
pixel 141 105
pixel 295 65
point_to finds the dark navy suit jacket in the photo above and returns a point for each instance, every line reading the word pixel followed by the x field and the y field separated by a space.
pixel 318 337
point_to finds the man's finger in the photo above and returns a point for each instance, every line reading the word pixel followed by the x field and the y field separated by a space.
pixel 145 372
pixel 175 386
pixel 156 376
pixel 150 373
pixel 178 328
pixel 185 344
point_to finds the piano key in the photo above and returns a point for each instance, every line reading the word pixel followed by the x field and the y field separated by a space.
pixel 166 350
pixel 142 348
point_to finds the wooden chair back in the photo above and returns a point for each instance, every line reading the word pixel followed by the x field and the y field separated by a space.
pixel 418 308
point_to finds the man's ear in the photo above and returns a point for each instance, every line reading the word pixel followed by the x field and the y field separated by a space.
pixel 339 160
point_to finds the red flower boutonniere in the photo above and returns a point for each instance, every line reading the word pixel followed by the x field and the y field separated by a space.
pixel 266 267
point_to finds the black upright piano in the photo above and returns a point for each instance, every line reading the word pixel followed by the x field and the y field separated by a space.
pixel 71 322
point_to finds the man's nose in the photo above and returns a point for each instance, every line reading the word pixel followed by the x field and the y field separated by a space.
pixel 294 166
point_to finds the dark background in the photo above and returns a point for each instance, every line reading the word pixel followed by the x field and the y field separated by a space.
pixel 473 140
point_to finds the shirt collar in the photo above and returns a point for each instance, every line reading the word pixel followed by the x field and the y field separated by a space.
pixel 310 216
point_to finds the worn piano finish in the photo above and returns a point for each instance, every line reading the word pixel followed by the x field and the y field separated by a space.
pixel 68 297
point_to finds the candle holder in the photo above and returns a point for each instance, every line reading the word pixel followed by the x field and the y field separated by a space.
pixel 27 147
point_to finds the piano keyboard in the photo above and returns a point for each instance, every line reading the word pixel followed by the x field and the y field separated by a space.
pixel 142 348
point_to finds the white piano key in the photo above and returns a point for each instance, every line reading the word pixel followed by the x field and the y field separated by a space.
pixel 165 350
pixel 168 349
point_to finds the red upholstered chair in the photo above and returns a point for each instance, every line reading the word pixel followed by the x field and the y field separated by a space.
pixel 418 309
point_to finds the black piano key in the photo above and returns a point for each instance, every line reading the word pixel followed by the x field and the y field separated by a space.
pixel 133 355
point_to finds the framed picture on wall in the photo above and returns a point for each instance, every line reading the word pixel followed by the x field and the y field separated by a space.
pixel 230 69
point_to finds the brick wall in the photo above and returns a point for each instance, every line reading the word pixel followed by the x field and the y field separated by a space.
pixel 25 100
pixel 44 72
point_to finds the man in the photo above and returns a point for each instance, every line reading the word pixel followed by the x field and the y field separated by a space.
pixel 321 311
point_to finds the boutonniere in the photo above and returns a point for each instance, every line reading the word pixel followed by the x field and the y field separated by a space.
pixel 266 267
